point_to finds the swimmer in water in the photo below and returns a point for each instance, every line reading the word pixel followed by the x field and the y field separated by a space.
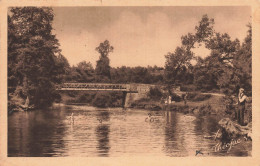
pixel 100 121
pixel 149 118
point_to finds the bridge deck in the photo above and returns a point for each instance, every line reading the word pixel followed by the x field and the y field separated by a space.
pixel 96 87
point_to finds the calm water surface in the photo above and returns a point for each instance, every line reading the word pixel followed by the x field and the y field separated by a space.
pixel 111 132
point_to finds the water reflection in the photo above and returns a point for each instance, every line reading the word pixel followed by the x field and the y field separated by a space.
pixel 32 135
pixel 102 133
pixel 171 136
pixel 110 132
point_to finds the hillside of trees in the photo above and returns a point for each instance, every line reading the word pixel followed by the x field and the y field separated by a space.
pixel 36 64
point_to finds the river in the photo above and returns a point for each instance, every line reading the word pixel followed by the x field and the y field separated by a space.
pixel 112 132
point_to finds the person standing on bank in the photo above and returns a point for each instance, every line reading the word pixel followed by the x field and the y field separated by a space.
pixel 242 98
pixel 185 98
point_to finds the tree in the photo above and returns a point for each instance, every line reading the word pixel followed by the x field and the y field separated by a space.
pixel 206 73
pixel 243 61
pixel 227 67
pixel 62 68
pixel 176 63
pixel 83 72
pixel 34 58
pixel 239 72
pixel 102 71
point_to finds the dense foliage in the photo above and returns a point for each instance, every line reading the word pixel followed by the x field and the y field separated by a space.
pixel 193 96
pixel 105 99
pixel 146 75
pixel 155 93
pixel 102 71
pixel 35 63
pixel 228 67
pixel 82 72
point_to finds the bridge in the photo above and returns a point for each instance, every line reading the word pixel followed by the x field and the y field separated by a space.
pixel 130 92
pixel 97 87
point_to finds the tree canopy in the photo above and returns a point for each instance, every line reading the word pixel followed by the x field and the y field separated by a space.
pixel 102 71
pixel 228 66
pixel 35 63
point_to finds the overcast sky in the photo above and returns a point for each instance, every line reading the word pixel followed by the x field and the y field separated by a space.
pixel 141 36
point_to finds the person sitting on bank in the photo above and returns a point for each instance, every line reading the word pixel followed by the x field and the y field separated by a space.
pixel 25 106
pixel 169 99
pixel 242 98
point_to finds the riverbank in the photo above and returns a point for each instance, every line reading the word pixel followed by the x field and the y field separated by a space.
pixel 212 107
pixel 196 103
pixel 16 104
pixel 216 105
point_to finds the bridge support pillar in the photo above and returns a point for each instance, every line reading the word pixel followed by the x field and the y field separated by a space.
pixel 124 99
pixel 128 98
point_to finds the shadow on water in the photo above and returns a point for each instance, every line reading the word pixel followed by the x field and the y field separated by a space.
pixel 31 126
pixel 173 140
pixel 184 134
pixel 102 133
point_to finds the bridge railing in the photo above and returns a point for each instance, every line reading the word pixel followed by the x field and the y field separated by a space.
pixel 91 86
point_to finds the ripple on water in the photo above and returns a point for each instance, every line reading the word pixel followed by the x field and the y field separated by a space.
pixel 108 132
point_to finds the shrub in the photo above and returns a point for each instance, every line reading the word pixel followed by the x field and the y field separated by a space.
pixel 191 96
pixel 197 96
pixel 72 93
pixel 202 97
pixel 116 99
pixel 176 97
pixel 107 99
pixel 229 104
pixel 205 109
pixel 82 98
pixel 101 100
pixel 57 97
pixel 86 97
pixel 188 88
pixel 155 93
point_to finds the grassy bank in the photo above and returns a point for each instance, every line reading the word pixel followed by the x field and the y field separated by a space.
pixel 198 104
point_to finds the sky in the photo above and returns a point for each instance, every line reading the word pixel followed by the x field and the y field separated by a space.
pixel 141 36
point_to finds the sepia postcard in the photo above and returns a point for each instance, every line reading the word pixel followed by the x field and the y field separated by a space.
pixel 97 82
